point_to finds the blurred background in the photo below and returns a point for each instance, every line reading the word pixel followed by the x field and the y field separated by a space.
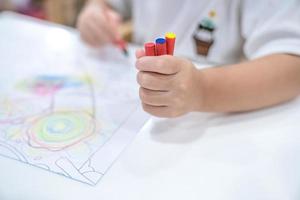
pixel 58 11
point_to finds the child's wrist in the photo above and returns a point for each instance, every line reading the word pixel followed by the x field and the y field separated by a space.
pixel 202 93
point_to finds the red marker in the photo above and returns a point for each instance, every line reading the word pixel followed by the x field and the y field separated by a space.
pixel 170 38
pixel 161 47
pixel 150 49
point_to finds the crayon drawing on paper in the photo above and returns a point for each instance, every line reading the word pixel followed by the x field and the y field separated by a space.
pixel 65 111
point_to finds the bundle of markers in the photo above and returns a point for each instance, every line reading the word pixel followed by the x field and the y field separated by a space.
pixel 162 46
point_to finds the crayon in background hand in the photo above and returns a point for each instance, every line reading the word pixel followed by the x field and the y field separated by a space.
pixel 122 45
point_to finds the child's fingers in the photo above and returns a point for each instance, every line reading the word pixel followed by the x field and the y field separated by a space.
pixel 97 33
pixel 113 16
pixel 115 21
pixel 106 29
pixel 139 53
pixel 155 81
pixel 160 64
pixel 89 36
pixel 154 98
pixel 159 111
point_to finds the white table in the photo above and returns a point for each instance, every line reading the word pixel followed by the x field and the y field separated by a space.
pixel 199 156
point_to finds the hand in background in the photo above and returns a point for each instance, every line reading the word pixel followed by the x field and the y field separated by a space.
pixel 98 24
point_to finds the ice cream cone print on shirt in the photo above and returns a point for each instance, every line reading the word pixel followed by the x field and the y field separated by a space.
pixel 203 35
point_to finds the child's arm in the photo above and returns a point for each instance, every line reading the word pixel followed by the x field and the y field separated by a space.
pixel 172 86
pixel 252 85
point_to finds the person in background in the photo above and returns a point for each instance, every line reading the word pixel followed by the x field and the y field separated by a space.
pixel 255 45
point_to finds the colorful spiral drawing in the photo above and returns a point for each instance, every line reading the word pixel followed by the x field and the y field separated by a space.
pixel 61 130
pixel 14 110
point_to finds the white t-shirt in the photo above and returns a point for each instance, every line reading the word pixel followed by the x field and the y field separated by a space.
pixel 218 31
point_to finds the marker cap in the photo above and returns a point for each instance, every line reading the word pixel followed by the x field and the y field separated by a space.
pixel 161 47
pixel 170 39
pixel 150 49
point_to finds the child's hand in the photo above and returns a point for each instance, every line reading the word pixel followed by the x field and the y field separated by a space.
pixel 170 86
pixel 98 24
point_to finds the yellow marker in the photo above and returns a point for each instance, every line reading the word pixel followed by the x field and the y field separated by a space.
pixel 170 35
pixel 170 38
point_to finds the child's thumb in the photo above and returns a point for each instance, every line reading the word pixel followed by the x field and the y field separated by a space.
pixel 139 53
